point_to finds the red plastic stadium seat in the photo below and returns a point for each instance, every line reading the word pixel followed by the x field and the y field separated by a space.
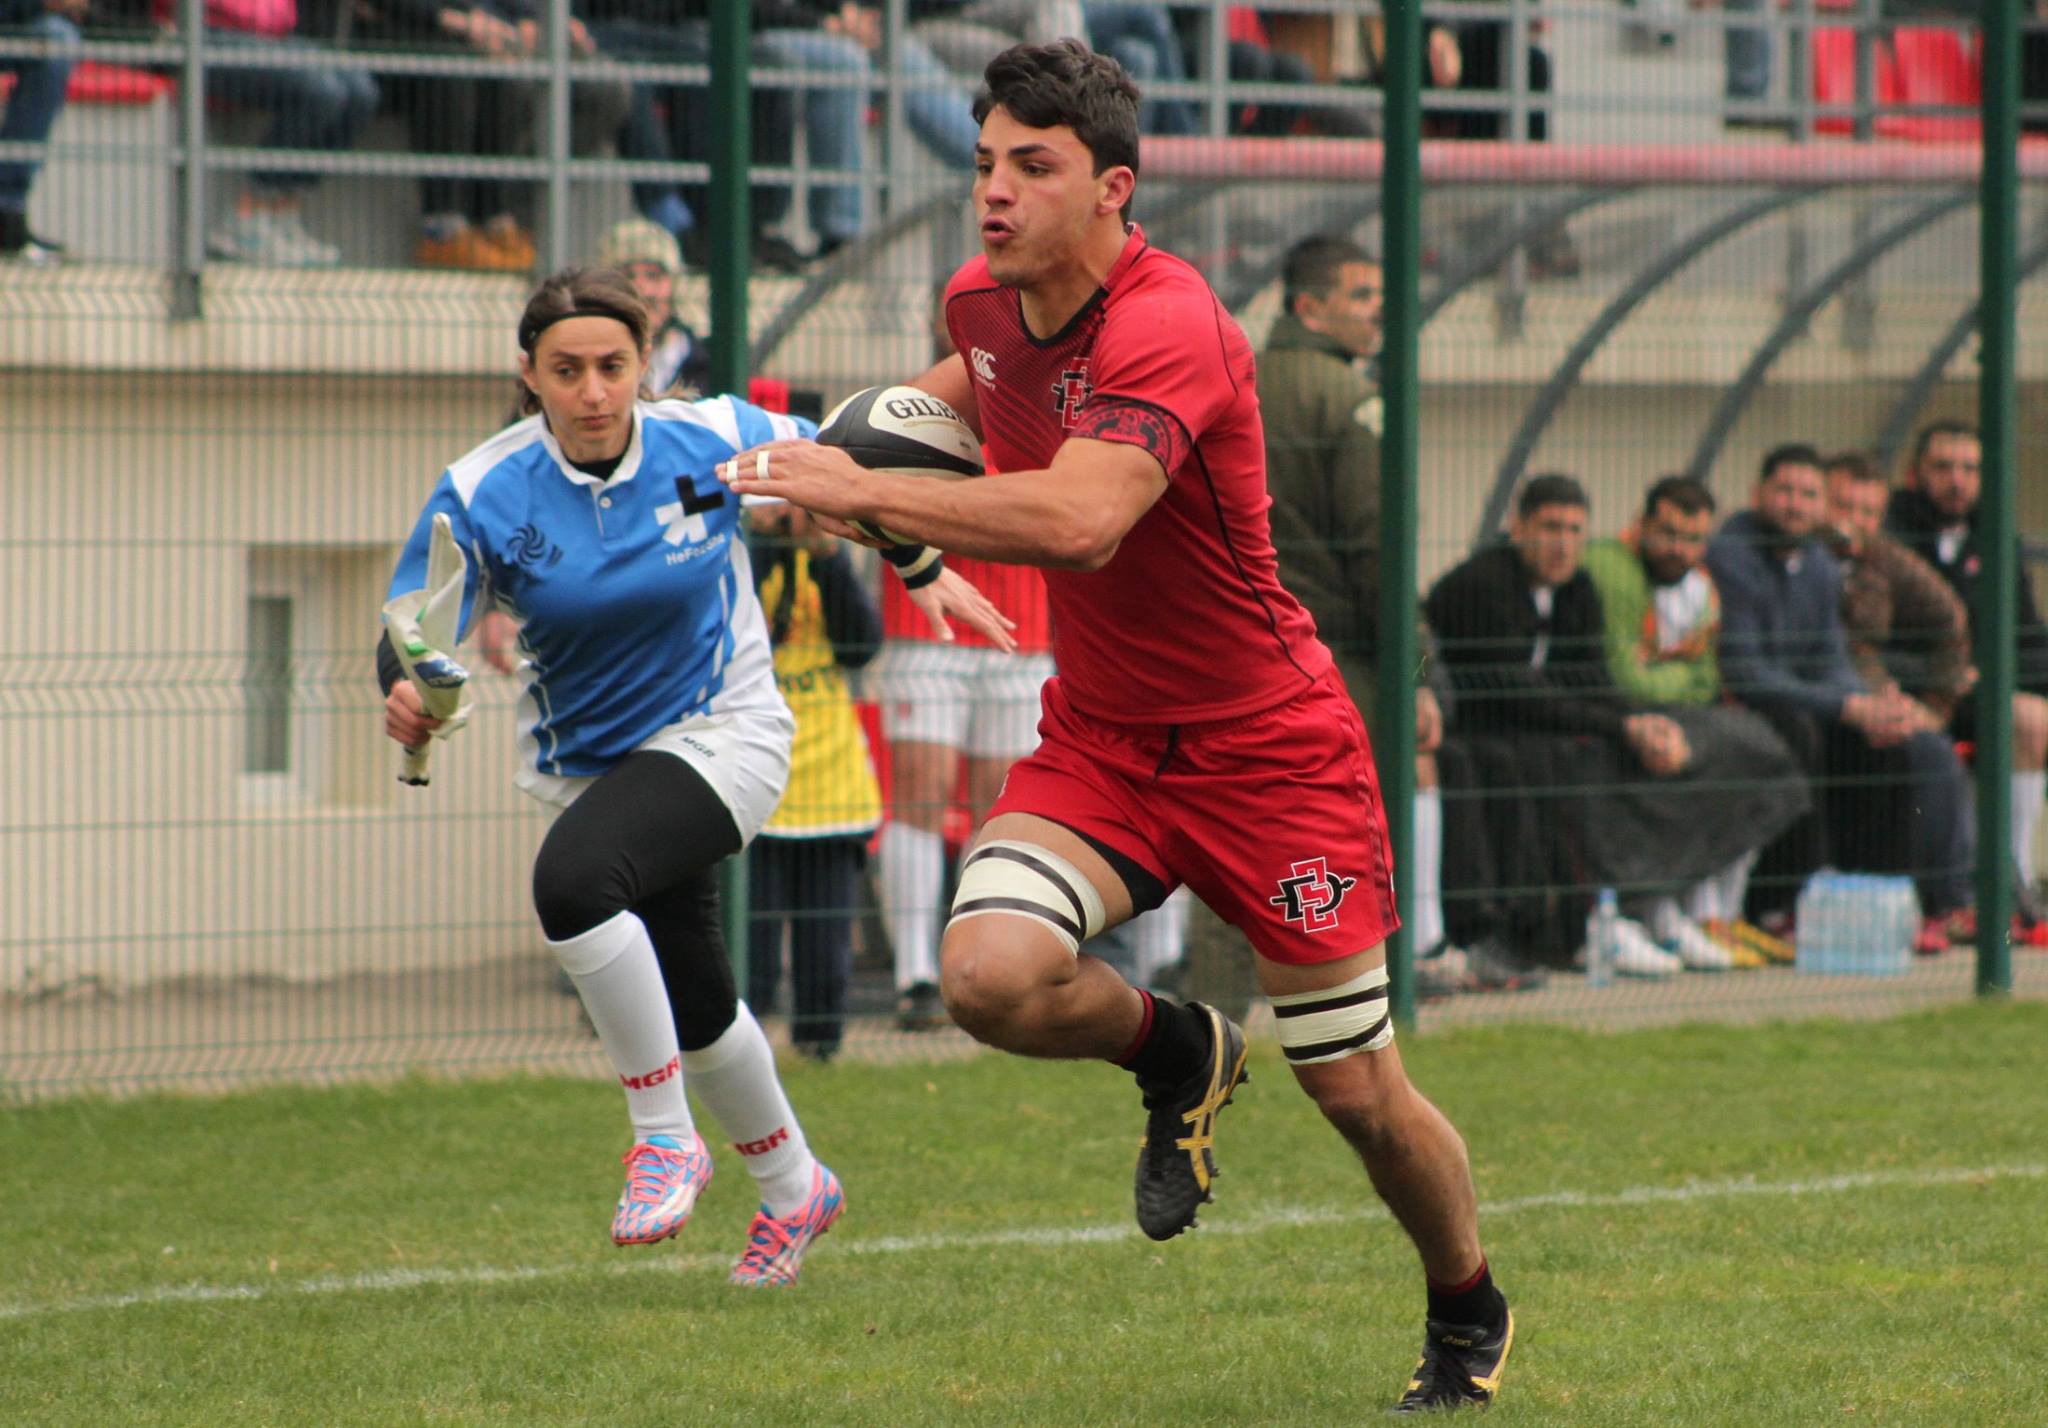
pixel 1834 75
pixel 1935 67
pixel 95 83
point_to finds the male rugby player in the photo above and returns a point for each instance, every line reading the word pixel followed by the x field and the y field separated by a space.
pixel 1196 731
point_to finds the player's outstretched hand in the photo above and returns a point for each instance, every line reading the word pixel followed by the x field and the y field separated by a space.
pixel 405 718
pixel 822 479
pixel 953 594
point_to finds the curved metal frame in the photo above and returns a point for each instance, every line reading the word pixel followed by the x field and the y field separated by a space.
pixel 1490 256
pixel 1550 400
pixel 1474 267
pixel 1912 398
pixel 1799 312
pixel 843 263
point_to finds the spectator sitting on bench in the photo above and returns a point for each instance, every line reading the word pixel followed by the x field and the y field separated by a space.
pixel 1886 785
pixel 319 110
pixel 1934 514
pixel 1663 621
pixel 31 111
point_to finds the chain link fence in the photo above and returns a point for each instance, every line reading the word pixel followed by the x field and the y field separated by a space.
pixel 1658 241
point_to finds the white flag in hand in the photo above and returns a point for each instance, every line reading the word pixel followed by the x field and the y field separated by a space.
pixel 424 626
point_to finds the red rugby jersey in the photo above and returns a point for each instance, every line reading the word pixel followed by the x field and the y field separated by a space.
pixel 1188 621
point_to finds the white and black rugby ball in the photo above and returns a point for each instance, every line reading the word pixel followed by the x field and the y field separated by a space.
pixel 904 430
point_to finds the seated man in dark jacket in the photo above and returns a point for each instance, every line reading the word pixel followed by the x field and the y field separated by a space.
pixel 1935 515
pixel 1886 784
pixel 1539 726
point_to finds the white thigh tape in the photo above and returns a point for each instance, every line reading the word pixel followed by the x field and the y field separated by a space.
pixel 1005 875
pixel 1335 1022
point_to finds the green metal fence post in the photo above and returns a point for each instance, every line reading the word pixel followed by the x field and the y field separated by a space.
pixel 731 152
pixel 1397 653
pixel 1995 615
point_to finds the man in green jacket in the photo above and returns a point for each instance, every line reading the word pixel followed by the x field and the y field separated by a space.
pixel 1663 615
pixel 1322 421
pixel 1322 424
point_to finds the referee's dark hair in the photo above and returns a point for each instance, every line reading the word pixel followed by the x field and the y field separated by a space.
pixel 1552 488
pixel 1688 494
pixel 1311 266
pixel 578 292
pixel 1065 82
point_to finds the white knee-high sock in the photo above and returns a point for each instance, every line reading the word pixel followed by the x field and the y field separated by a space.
pixel 913 872
pixel 2028 789
pixel 616 974
pixel 1426 919
pixel 735 1079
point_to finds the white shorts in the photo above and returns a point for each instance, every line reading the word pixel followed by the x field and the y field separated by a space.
pixel 981 701
pixel 743 754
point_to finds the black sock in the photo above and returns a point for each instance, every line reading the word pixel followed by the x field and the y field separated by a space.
pixel 1172 1044
pixel 1475 1302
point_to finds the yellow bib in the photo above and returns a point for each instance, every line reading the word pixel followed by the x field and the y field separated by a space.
pixel 832 786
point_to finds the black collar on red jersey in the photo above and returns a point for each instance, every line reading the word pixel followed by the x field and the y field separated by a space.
pixel 1134 248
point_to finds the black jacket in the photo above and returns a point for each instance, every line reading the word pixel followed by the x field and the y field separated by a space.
pixel 1486 627
pixel 1917 523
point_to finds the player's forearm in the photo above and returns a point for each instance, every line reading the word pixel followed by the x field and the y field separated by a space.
pixel 1018 517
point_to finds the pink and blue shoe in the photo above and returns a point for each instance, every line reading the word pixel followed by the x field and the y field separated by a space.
pixel 663 1180
pixel 775 1247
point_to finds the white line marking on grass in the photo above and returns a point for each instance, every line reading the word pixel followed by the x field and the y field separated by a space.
pixel 1252 1224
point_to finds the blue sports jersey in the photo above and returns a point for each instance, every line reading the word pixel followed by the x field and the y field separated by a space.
pixel 635 595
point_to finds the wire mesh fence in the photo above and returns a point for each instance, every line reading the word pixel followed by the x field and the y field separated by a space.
pixel 1657 243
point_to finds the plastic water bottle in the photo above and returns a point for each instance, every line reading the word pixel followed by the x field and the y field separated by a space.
pixel 1600 939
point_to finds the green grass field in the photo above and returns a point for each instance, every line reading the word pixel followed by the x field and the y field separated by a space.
pixel 1831 1223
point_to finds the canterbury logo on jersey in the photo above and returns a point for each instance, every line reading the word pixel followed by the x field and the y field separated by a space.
pixel 1312 895
pixel 984 363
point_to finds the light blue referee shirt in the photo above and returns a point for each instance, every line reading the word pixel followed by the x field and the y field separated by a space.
pixel 635 594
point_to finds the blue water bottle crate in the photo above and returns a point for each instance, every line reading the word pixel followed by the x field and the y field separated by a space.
pixel 1856 924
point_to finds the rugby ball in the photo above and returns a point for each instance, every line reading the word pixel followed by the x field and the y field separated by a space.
pixel 904 430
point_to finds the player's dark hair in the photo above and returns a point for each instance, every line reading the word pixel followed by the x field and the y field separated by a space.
pixel 1066 83
pixel 1792 453
pixel 1311 266
pixel 1688 494
pixel 1929 432
pixel 1858 466
pixel 578 292
pixel 1553 488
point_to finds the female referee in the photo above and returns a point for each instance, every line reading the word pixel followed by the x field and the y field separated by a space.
pixel 651 729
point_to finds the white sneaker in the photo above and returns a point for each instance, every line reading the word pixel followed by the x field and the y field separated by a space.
pixel 1698 951
pixel 277 240
pixel 1636 953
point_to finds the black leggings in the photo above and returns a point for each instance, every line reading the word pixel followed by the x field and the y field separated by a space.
pixel 647 838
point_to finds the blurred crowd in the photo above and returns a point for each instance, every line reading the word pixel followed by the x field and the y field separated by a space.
pixel 818 69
